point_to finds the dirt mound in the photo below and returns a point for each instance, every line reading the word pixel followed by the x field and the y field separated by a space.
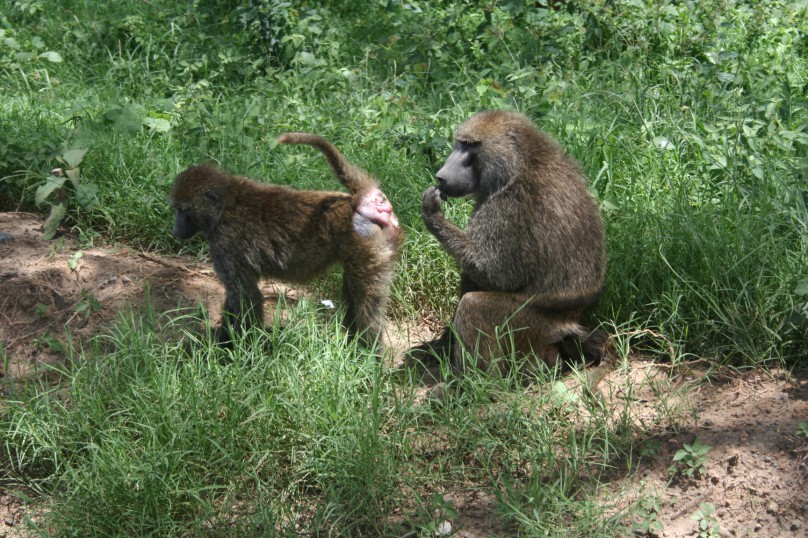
pixel 755 469
pixel 47 287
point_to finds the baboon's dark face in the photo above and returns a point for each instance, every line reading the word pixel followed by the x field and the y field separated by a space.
pixel 184 226
pixel 460 174
pixel 197 202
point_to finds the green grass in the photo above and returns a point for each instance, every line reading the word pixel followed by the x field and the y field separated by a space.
pixel 292 427
pixel 688 118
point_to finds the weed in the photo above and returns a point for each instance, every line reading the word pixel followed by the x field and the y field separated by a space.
pixel 54 190
pixel 88 304
pixel 647 510
pixel 708 524
pixel 438 513
pixel 48 341
pixel 691 460
pixel 73 262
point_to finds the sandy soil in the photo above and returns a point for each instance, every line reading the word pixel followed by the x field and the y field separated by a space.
pixel 756 473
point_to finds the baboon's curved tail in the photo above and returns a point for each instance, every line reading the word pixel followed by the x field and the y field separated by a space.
pixel 355 179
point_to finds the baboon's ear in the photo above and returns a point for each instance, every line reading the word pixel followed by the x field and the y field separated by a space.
pixel 212 195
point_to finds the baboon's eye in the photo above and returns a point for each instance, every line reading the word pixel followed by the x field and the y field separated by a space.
pixel 212 195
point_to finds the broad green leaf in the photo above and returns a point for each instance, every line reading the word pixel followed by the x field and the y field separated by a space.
pixel 157 124
pixel 11 43
pixel 726 77
pixel 47 188
pixel 662 143
pixel 698 447
pixel 128 118
pixel 73 262
pixel 57 213
pixel 802 287
pixel 87 195
pixel 609 204
pixel 52 56
pixel 563 394
pixel 73 157
pixel 73 174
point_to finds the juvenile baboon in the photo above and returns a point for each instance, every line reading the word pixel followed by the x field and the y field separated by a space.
pixel 259 230
pixel 532 256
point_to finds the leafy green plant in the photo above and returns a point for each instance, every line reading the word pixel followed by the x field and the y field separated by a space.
pixel 64 186
pixel 47 340
pixel 439 511
pixel 88 304
pixel 648 512
pixel 26 56
pixel 802 428
pixel 73 262
pixel 691 460
pixel 799 315
pixel 41 310
pixel 708 524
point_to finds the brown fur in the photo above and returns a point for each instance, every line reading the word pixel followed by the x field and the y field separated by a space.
pixel 259 230
pixel 532 256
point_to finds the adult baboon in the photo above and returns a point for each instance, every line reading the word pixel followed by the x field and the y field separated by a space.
pixel 532 256
pixel 258 230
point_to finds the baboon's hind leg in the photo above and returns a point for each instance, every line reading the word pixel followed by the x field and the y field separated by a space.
pixel 492 326
pixel 365 288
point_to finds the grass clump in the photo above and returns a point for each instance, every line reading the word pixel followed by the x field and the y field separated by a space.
pixel 294 430
pixel 143 440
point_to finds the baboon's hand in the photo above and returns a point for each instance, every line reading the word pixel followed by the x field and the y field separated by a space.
pixel 431 202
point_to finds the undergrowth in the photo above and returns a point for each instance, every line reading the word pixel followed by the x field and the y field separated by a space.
pixel 294 429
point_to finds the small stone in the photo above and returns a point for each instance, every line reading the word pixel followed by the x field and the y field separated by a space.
pixel 795 525
pixel 772 508
pixel 444 528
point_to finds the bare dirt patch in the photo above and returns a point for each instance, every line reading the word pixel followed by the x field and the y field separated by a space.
pixel 756 474
pixel 48 287
pixel 756 469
